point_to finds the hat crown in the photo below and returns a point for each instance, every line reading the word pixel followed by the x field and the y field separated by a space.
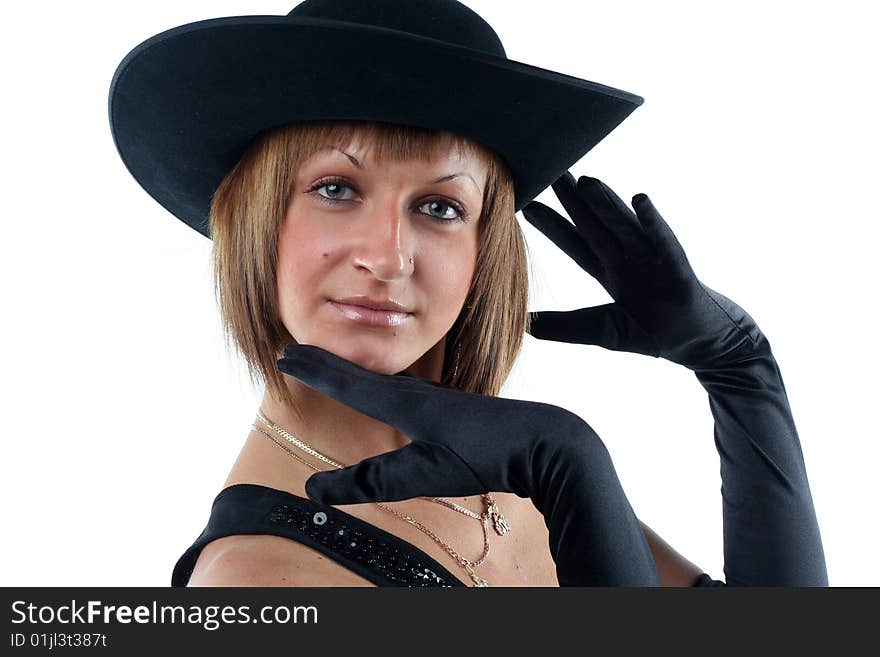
pixel 445 20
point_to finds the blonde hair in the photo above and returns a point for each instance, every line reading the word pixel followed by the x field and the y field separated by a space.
pixel 249 207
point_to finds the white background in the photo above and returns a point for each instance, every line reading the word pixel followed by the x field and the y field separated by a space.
pixel 122 412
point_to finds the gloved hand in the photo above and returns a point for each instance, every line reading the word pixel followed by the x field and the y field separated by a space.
pixel 468 444
pixel 771 535
pixel 660 307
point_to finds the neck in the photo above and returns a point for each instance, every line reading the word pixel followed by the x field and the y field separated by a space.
pixel 338 431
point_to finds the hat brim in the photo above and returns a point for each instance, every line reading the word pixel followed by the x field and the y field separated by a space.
pixel 185 103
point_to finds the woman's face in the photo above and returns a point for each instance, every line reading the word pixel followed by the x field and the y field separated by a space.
pixel 350 230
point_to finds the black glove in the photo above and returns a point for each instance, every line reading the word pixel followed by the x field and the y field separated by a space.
pixel 771 535
pixel 468 444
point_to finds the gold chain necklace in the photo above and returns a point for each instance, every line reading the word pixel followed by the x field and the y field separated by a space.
pixel 499 522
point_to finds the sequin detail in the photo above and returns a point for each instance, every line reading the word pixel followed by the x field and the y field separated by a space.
pixel 397 565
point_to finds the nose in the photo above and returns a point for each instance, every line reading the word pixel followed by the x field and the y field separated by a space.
pixel 384 242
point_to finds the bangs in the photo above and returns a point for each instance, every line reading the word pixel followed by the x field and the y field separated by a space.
pixel 387 142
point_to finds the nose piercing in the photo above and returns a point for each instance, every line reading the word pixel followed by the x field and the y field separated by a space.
pixel 410 260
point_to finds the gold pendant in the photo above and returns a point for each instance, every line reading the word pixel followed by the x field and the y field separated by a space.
pixel 498 521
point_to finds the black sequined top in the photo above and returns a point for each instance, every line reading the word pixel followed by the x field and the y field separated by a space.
pixel 365 549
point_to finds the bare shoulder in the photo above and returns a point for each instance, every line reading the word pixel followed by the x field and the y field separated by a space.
pixel 238 561
pixel 267 560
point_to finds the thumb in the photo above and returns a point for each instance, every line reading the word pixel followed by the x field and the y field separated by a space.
pixel 591 325
pixel 606 326
pixel 418 469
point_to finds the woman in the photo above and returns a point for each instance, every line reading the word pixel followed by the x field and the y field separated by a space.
pixel 361 204
pixel 328 194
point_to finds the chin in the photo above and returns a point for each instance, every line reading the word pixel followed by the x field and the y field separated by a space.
pixel 370 357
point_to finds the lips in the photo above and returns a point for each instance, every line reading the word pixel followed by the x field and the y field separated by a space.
pixel 370 316
pixel 376 304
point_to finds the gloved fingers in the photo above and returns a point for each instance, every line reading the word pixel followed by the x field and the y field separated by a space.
pixel 407 403
pixel 603 242
pixel 584 326
pixel 617 217
pixel 418 469
pixel 607 326
pixel 422 410
pixel 563 234
pixel 665 242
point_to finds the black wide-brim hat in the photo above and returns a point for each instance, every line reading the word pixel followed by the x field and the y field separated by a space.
pixel 185 103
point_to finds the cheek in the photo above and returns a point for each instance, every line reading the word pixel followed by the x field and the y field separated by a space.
pixel 298 269
pixel 448 278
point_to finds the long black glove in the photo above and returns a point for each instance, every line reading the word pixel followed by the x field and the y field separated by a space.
pixel 661 309
pixel 467 444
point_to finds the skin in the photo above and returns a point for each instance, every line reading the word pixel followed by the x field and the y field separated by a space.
pixel 361 246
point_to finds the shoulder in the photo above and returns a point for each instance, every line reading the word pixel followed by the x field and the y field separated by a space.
pixel 264 560
pixel 239 561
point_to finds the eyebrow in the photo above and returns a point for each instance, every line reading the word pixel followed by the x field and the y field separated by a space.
pixel 441 179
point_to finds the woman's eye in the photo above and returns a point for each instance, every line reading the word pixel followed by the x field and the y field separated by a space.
pixel 457 213
pixel 334 185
